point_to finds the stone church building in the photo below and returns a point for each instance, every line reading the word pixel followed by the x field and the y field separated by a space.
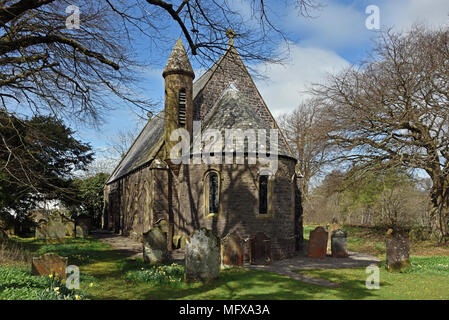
pixel 259 209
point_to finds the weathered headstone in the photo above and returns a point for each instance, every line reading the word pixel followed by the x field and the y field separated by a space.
pixel 202 256
pixel 232 250
pixel 56 229
pixel 260 248
pixel 334 226
pixel 81 231
pixel 49 263
pixel 339 244
pixel 398 250
pixel 155 246
pixel 317 243
pixel 85 222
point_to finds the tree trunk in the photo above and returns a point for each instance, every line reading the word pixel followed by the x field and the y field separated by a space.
pixel 440 210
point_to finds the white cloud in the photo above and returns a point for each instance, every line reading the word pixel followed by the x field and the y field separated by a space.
pixel 284 89
pixel 334 26
pixel 404 13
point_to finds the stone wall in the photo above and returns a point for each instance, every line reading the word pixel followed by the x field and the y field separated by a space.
pixel 144 198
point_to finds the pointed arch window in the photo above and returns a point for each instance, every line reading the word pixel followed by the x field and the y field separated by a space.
pixel 263 194
pixel 182 107
pixel 212 192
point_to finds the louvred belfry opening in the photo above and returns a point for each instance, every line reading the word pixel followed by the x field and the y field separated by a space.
pixel 182 108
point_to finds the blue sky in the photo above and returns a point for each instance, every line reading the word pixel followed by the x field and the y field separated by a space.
pixel 333 39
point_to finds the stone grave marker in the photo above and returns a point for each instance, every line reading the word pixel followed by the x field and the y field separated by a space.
pixel 398 250
pixel 49 263
pixel 339 244
pixel 232 250
pixel 317 243
pixel 202 256
pixel 334 226
pixel 155 246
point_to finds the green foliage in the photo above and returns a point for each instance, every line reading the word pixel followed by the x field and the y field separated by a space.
pixel 17 283
pixel 429 265
pixel 162 275
pixel 364 190
pixel 37 156
pixel 87 196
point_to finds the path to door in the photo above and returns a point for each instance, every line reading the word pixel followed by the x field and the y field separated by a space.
pixel 129 247
pixel 287 267
pixel 132 249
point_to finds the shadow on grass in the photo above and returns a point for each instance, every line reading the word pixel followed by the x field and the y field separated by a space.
pixel 352 283
pixel 109 267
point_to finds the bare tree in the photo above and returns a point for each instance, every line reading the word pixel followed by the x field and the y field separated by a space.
pixel 394 110
pixel 305 129
pixel 79 74
pixel 71 72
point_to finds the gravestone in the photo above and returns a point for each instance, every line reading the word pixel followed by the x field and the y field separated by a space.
pixel 398 250
pixel 317 243
pixel 260 246
pixel 155 246
pixel 55 229
pixel 232 250
pixel 49 263
pixel 339 244
pixel 85 222
pixel 81 232
pixel 202 256
pixel 334 226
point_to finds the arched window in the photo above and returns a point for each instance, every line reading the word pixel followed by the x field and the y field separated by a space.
pixel 212 192
pixel 182 107
pixel 263 194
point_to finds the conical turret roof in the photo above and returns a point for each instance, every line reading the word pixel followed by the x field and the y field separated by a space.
pixel 178 61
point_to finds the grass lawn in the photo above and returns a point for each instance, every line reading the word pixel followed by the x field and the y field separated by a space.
pixel 105 274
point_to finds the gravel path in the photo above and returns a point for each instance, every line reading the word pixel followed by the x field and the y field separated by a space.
pixel 132 249
pixel 288 266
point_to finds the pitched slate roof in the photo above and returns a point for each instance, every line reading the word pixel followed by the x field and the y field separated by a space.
pixel 144 148
pixel 231 110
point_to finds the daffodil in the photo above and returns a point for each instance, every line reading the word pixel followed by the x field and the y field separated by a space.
pixel 77 297
pixel 91 285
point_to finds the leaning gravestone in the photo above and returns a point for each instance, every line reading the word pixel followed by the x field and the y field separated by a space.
pixel 202 256
pixel 398 250
pixel 49 264
pixel 155 246
pixel 339 244
pixel 232 250
pixel 317 243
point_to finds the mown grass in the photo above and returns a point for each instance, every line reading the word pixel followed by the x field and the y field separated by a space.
pixel 107 274
pixel 427 279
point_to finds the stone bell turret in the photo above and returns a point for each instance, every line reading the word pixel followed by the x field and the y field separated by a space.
pixel 178 75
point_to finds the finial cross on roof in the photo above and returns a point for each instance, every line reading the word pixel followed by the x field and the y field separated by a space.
pixel 231 35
